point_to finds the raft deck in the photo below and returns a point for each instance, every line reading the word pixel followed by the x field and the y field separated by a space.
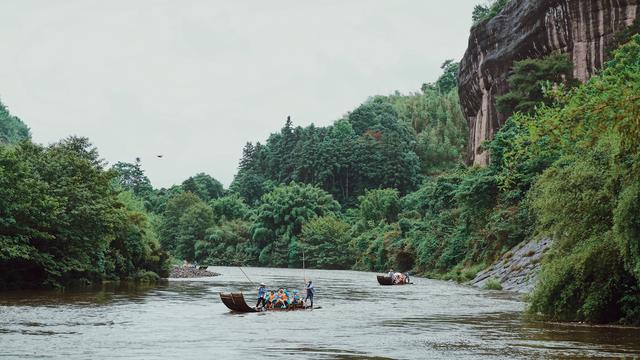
pixel 386 280
pixel 236 303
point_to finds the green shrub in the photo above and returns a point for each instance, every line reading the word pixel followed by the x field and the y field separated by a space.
pixel 145 277
pixel 482 13
pixel 492 284
pixel 325 242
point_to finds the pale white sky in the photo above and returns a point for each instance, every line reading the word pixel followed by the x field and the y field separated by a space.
pixel 195 80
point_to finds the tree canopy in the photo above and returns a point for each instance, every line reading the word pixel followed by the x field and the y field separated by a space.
pixel 62 219
pixel 484 12
pixel 12 129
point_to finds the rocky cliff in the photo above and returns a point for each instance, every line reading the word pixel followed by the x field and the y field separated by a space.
pixel 530 29
pixel 517 270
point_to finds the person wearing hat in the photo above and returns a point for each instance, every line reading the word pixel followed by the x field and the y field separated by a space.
pixel 262 291
pixel 297 299
pixel 310 292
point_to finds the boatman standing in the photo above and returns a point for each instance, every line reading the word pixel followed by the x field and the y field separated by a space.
pixel 310 292
pixel 262 290
pixel 391 273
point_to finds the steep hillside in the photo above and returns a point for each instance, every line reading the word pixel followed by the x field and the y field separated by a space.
pixel 583 29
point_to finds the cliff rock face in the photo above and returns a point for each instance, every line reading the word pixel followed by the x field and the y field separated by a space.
pixel 517 270
pixel 532 29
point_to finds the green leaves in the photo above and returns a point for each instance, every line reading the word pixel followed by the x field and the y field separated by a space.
pixel 132 177
pixel 193 226
pixel 203 186
pixel 228 243
pixel 370 148
pixel 325 242
pixel 230 207
pixel 483 13
pixel 281 216
pixel 62 218
pixel 12 129
pixel 528 82
pixel 175 208
pixel 380 205
pixel 588 200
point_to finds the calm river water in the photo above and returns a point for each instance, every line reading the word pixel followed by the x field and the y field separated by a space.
pixel 358 320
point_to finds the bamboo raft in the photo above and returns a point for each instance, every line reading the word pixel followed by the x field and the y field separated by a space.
pixel 386 280
pixel 236 303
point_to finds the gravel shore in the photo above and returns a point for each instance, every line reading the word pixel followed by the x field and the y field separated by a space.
pixel 180 272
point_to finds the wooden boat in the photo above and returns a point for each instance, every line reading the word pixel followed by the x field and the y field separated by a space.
pixel 236 303
pixel 387 280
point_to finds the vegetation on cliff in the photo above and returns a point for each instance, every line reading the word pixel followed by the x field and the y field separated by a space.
pixel 483 12
pixel 588 200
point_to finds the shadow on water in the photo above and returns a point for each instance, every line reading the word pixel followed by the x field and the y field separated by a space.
pixel 91 295
pixel 106 294
pixel 358 320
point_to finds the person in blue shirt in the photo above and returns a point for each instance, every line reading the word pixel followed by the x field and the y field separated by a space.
pixel 289 297
pixel 310 292
pixel 297 299
pixel 262 291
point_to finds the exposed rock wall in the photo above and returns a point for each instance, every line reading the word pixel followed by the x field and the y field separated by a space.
pixel 517 270
pixel 529 29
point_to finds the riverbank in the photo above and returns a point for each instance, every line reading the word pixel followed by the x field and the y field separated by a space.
pixel 186 272
pixel 517 270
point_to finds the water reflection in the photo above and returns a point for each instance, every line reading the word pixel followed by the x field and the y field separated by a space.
pixel 358 320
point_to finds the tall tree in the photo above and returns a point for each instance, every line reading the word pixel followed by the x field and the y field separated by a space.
pixel 131 177
pixel 193 225
pixel 204 186
pixel 176 207
pixel 530 79
pixel 280 217
pixel 12 129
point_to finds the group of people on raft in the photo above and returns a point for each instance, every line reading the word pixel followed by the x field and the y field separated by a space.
pixel 398 277
pixel 284 299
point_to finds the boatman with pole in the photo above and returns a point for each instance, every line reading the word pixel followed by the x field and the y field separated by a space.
pixel 310 292
pixel 262 290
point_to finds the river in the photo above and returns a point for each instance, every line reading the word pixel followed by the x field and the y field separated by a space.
pixel 358 319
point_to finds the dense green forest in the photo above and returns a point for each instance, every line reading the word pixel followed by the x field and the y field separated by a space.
pixel 64 219
pixel 385 186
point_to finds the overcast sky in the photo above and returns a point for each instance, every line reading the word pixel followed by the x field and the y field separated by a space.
pixel 196 80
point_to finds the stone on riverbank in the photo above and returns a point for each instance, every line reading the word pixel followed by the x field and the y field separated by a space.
pixel 517 270
pixel 186 272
